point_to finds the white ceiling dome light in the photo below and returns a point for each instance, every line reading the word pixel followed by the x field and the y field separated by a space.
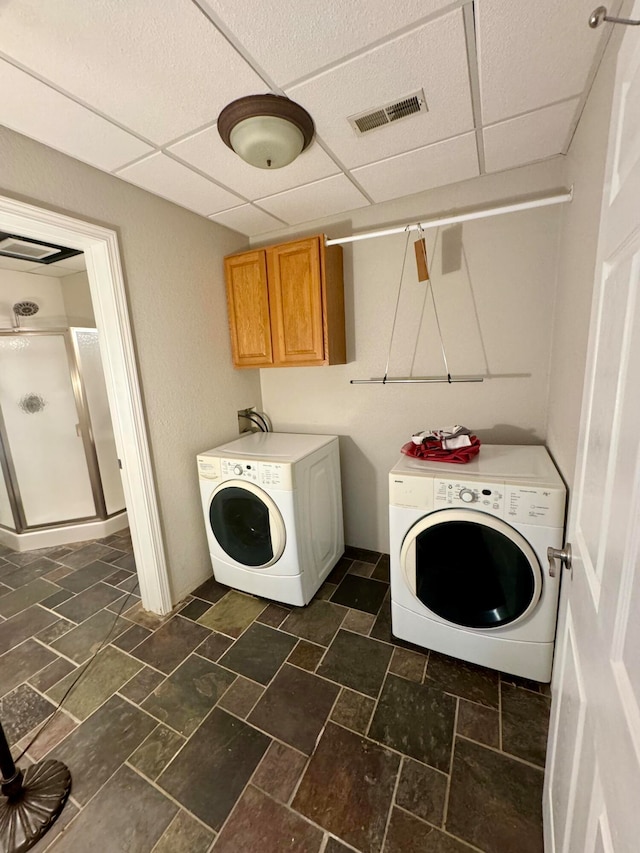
pixel 267 131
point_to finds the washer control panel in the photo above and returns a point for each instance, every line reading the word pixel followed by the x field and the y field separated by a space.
pixel 274 475
pixel 488 497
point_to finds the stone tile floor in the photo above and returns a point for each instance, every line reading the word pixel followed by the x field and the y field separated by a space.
pixel 235 724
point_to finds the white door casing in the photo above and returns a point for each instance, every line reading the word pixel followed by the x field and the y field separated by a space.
pixel 592 784
pixel 106 282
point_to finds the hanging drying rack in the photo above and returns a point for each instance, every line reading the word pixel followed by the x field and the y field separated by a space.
pixel 544 201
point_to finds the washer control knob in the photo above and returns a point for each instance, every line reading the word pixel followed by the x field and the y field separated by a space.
pixel 237 470
pixel 467 496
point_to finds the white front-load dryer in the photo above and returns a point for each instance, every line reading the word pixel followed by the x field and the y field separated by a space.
pixel 272 505
pixel 469 574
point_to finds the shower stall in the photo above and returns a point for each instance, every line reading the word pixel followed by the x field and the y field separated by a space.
pixel 60 478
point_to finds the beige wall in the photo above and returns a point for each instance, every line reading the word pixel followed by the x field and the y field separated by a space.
pixel 174 275
pixel 77 299
pixel 576 266
pixel 512 266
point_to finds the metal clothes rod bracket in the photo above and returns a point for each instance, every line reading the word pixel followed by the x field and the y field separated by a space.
pixel 560 198
pixel 599 16
pixel 427 380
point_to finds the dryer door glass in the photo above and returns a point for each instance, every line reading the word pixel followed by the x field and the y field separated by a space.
pixel 473 575
pixel 240 522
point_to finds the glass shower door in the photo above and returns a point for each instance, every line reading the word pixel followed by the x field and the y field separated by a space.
pixel 41 429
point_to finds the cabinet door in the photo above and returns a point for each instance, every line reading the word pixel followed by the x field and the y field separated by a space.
pixel 248 302
pixel 295 292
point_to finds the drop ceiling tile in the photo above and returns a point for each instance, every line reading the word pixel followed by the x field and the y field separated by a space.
pixel 323 34
pixel 158 67
pixel 163 176
pixel 438 164
pixel 527 138
pixel 15 264
pixel 208 153
pixel 75 263
pixel 315 201
pixel 247 219
pixel 432 57
pixel 34 109
pixel 53 270
pixel 536 56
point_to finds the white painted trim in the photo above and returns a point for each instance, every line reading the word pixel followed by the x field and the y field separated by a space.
pixel 108 295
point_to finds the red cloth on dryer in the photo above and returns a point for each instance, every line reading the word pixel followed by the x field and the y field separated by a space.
pixel 432 450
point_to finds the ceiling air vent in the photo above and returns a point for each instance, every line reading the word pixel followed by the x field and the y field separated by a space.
pixel 26 249
pixel 387 114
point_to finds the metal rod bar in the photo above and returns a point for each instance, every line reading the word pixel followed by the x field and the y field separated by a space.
pixel 395 314
pixel 561 198
pixel 599 15
pixel 449 380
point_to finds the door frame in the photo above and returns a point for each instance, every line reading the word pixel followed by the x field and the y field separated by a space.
pixel 108 295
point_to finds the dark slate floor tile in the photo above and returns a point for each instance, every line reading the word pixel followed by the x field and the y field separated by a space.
pixel 273 615
pixel 21 710
pixel 326 591
pixel 382 570
pixel 223 748
pixel 422 791
pixel 20 558
pixel 279 771
pixel 83 578
pixel 187 696
pixel 479 723
pixel 25 574
pixel 260 823
pixel 382 626
pixel 353 710
pixel 117 577
pixel 195 609
pixel 211 591
pixel 347 788
pixel 525 723
pixel 415 719
pixel 295 707
pixel 359 622
pixel 364 570
pixel 360 593
pixel 21 663
pixel 339 570
pixel 214 646
pixel 362 554
pixel 184 835
pixel 317 622
pixel 54 631
pixel 25 624
pixel 50 735
pixel 357 662
pixel 408 664
pixel 306 655
pixel 82 642
pixel 153 755
pixel 335 846
pixel 82 557
pixel 476 683
pixel 407 834
pixel 125 562
pixel 131 638
pixel 127 808
pixel 526 683
pixel 142 684
pixel 88 602
pixel 495 801
pixel 233 614
pixel 51 674
pixel 170 644
pixel 94 750
pixel 105 674
pixel 58 597
pixel 259 653
pixel 241 697
pixel 25 596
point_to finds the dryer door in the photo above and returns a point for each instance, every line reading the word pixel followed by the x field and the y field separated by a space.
pixel 247 524
pixel 471 569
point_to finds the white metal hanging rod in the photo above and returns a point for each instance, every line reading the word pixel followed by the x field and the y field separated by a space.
pixel 418 380
pixel 545 201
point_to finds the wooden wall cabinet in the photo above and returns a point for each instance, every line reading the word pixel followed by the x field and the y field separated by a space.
pixel 286 305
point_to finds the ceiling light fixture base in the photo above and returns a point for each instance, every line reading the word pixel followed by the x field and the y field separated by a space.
pixel 266 131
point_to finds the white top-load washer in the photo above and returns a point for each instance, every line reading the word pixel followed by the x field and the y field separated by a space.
pixel 469 572
pixel 272 506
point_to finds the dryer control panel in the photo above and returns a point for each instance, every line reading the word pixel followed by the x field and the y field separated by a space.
pixel 274 475
pixel 487 497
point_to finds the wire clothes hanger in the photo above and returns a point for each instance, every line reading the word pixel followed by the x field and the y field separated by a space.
pixel 423 380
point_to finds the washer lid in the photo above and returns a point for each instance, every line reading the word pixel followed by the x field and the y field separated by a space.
pixel 505 463
pixel 280 446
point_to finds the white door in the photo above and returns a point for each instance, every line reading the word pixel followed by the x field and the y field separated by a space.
pixel 592 786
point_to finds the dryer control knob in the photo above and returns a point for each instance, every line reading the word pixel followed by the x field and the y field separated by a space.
pixel 237 470
pixel 467 496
